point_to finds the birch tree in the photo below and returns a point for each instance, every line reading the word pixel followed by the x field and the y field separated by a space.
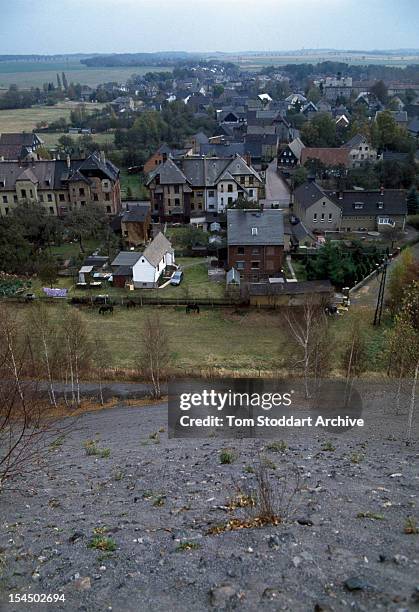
pixel 155 352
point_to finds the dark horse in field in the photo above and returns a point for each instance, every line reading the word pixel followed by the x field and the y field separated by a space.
pixel 192 308
pixel 104 309
pixel 131 304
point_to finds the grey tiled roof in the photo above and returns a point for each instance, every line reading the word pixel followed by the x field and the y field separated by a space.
pixel 269 226
pixel 308 193
pixel 126 258
pixel 308 287
pixel 374 203
pixel 155 251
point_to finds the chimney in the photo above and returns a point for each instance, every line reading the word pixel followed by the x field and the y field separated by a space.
pixel 68 162
pixel 102 157
pixel 248 159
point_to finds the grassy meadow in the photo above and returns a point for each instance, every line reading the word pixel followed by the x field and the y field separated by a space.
pixel 25 119
pixel 26 74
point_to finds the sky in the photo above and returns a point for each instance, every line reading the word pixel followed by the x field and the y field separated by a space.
pixel 115 26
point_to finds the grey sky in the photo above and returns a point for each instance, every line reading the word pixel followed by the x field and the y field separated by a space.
pixel 70 26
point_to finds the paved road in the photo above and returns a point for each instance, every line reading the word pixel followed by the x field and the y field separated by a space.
pixel 276 188
pixel 367 295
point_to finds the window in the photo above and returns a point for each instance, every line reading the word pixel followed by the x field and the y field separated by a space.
pixel 255 251
pixel 251 193
pixel 51 210
pixel 177 202
pixel 242 179
pixel 211 206
pixel 15 199
pixel 240 265
pixel 95 197
pixel 49 197
pixel 83 203
pixel 324 203
pixel 192 206
pixel 210 194
pixel 61 197
pixel 41 197
pixel 254 231
pixel 315 217
pixel 251 180
pixel 230 187
pixel 108 209
pixel 255 265
pixel 380 204
pixel 31 193
pixel 240 250
pixel 322 217
pixel 81 191
pixel 358 206
pixel 222 187
pixel 176 188
pixel 23 193
pixel 6 211
pixel 4 199
pixel 107 196
pixel 230 201
pixel 330 217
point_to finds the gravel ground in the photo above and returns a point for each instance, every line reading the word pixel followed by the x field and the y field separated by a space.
pixel 156 499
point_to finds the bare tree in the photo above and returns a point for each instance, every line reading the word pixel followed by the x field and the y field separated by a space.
pixel 354 357
pixel 42 335
pixel 306 325
pixel 155 351
pixel 102 360
pixel 76 351
pixel 26 428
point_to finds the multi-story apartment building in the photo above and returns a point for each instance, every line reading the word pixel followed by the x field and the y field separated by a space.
pixel 60 185
pixel 189 188
pixel 255 241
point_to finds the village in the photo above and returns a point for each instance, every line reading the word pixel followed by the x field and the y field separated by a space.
pixel 238 213
pixel 209 325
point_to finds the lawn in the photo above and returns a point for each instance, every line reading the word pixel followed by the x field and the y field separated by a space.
pixel 216 338
pixel 25 119
pixel 195 282
pixel 138 190
pixel 51 139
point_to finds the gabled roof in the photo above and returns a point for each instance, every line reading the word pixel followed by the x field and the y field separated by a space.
pixel 136 213
pixel 309 193
pixel 155 251
pixel 373 202
pixel 27 175
pixel 169 174
pixel 126 258
pixel 22 139
pixel 255 227
pixel 296 146
pixel 355 141
pixel 329 156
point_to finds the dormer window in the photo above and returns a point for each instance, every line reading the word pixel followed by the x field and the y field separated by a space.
pixel 358 206
pixel 254 231
pixel 380 205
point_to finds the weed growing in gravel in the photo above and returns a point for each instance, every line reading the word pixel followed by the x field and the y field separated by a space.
pixel 57 443
pixel 241 500
pixel 227 456
pixel 371 515
pixel 356 457
pixel 249 469
pixel 328 447
pixel 92 449
pixel 118 475
pixel 184 546
pixel 411 526
pixel 159 501
pixel 278 446
pixel 155 437
pixel 102 543
pixel 270 465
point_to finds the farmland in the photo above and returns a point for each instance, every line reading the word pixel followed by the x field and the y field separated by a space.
pixel 25 119
pixel 26 74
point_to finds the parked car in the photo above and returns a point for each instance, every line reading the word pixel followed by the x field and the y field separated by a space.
pixel 176 278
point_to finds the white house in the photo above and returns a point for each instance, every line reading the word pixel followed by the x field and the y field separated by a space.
pixel 156 257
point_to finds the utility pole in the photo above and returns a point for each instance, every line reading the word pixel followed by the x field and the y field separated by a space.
pixel 381 291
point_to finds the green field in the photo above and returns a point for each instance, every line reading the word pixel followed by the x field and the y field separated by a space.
pixel 25 119
pixel 28 74
pixel 51 139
